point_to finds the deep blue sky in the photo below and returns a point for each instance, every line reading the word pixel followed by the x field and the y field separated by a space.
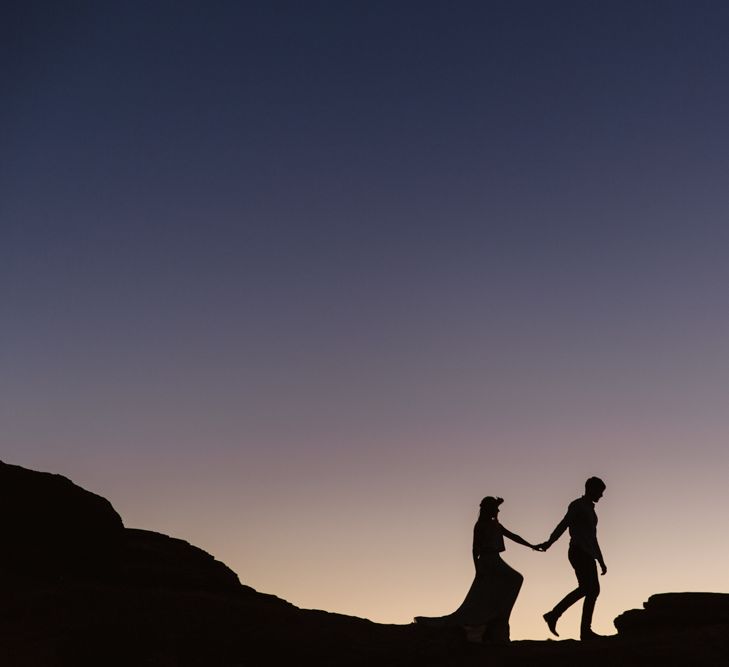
pixel 311 254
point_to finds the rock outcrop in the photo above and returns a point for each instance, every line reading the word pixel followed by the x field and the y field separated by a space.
pixel 53 528
pixel 149 559
pixel 675 612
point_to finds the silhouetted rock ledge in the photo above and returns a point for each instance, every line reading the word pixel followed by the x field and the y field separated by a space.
pixel 675 612
pixel 80 589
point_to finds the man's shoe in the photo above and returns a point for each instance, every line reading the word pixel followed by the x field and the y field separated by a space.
pixel 551 621
pixel 588 635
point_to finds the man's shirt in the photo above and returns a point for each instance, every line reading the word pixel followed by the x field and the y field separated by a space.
pixel 581 520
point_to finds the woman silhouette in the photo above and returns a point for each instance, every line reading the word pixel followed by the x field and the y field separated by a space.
pixel 485 611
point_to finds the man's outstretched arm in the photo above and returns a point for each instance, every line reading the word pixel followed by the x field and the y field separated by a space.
pixel 557 532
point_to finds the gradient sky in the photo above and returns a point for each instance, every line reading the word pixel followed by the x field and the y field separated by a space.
pixel 300 282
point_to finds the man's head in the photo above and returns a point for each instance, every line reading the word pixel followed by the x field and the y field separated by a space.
pixel 594 488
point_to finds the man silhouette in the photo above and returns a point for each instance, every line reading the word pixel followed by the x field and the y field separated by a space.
pixel 584 552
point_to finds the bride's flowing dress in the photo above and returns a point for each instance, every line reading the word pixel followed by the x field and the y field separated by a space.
pixel 494 590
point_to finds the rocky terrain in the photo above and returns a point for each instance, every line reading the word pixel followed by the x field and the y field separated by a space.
pixel 78 588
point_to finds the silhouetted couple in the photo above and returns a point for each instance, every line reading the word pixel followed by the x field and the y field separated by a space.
pixel 486 610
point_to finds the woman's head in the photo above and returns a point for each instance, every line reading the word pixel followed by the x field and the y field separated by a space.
pixel 490 507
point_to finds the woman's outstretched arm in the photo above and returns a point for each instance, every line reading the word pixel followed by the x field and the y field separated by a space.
pixel 514 537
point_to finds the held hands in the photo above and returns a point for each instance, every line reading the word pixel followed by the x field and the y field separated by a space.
pixel 542 547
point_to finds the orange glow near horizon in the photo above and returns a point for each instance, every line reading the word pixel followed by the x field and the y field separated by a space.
pixel 394 544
